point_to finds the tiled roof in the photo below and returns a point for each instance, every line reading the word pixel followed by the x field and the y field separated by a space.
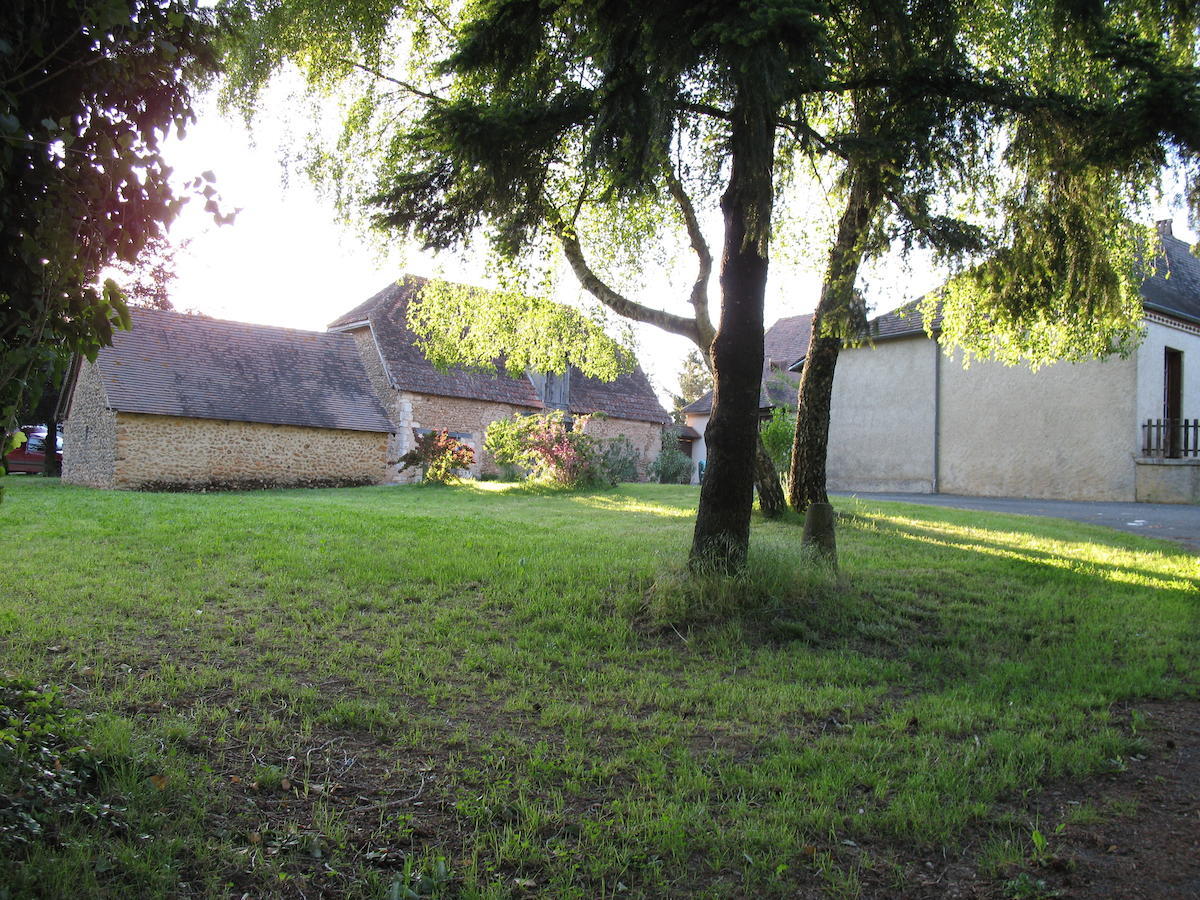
pixel 787 341
pixel 784 345
pixel 172 364
pixel 628 397
pixel 407 367
pixel 1174 288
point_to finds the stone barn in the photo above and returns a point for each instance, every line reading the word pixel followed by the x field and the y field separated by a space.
pixel 185 402
pixel 418 396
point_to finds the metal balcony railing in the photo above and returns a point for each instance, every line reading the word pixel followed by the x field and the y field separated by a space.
pixel 1171 438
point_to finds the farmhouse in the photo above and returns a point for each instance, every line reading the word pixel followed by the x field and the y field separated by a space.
pixel 907 418
pixel 418 396
pixel 187 402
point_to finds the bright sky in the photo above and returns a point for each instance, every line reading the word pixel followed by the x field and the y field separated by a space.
pixel 286 261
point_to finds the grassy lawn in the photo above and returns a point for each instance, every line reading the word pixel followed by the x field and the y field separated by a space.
pixel 488 691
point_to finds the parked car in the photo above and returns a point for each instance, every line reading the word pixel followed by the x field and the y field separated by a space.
pixel 31 455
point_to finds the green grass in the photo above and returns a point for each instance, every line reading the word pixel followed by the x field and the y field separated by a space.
pixel 489 691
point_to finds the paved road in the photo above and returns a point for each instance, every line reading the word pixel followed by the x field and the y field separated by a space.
pixel 1170 521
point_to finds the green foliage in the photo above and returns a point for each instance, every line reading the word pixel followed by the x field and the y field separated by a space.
pixel 777 435
pixel 695 380
pixel 87 90
pixel 672 465
pixel 619 460
pixel 439 457
pixel 553 451
pixel 458 325
pixel 47 777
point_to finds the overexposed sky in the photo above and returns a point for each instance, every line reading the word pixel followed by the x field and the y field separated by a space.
pixel 287 261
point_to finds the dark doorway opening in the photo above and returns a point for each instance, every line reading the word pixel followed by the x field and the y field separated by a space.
pixel 1173 400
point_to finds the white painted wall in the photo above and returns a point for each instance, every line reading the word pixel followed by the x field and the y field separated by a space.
pixel 881 418
pixel 699 448
pixel 1150 371
pixel 1068 431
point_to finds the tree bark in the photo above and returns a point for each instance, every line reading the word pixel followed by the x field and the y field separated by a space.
pixel 50 459
pixel 771 501
pixel 722 535
pixel 811 446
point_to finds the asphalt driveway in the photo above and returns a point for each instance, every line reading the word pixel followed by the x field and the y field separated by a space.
pixel 1169 521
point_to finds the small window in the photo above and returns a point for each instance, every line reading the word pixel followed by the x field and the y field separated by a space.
pixel 35 444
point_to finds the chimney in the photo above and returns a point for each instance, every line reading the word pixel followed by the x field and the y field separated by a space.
pixel 1164 228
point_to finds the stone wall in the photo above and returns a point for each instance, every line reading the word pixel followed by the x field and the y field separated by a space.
pixel 170 452
pixel 90 433
pixel 470 418
pixel 646 437
pixel 460 416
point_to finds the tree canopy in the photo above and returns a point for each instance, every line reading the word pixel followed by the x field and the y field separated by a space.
pixel 590 126
pixel 88 90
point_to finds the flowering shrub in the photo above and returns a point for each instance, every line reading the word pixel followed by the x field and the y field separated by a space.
pixel 554 451
pixel 439 456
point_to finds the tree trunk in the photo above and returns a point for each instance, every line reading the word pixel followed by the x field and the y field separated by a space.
pixel 722 534
pixel 811 446
pixel 770 492
pixel 812 420
pixel 50 459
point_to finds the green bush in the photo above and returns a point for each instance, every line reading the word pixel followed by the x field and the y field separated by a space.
pixel 46 776
pixel 672 465
pixel 553 451
pixel 619 460
pixel 777 435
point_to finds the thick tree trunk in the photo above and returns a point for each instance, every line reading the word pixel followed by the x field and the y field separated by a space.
pixel 771 501
pixel 811 446
pixel 722 534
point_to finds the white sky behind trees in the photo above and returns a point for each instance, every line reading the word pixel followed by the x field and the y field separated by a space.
pixel 287 261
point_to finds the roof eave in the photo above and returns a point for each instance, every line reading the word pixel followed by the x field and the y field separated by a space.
pixel 1170 311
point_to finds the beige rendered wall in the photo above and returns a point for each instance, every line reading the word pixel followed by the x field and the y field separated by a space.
pixel 164 452
pixel 90 433
pixel 1061 432
pixel 881 417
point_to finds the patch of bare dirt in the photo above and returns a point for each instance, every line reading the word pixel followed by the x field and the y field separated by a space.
pixel 1144 846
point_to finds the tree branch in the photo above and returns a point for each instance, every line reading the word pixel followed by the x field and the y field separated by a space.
pixel 699 295
pixel 411 88
pixel 618 303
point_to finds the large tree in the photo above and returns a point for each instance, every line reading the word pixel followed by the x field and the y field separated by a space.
pixel 533 122
pixel 88 89
pixel 1046 153
pixel 544 117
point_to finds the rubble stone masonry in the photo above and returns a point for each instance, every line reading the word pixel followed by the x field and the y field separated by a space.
pixel 170 452
pixel 90 433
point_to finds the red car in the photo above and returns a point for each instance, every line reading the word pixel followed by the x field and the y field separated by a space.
pixel 31 455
